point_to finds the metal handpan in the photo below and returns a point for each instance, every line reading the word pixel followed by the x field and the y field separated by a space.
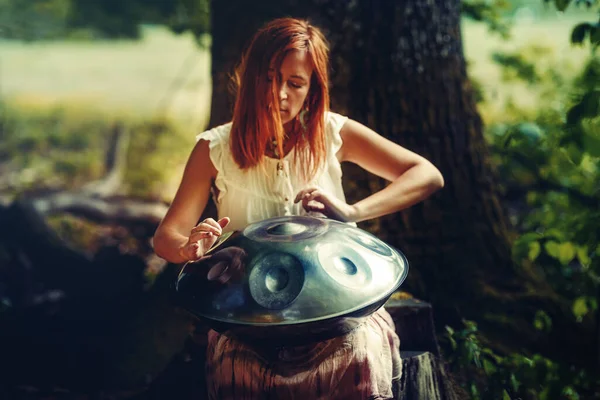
pixel 291 280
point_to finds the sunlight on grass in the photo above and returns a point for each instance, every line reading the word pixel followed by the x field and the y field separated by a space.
pixel 163 74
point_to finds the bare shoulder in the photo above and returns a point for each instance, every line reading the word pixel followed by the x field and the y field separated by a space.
pixel 200 161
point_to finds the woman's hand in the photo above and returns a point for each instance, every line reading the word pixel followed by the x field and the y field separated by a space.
pixel 202 237
pixel 316 200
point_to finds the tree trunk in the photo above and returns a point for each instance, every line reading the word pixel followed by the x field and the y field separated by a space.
pixel 399 67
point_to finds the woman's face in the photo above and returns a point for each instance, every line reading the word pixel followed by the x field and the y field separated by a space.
pixel 294 83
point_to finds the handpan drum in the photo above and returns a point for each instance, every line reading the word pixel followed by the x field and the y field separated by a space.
pixel 291 280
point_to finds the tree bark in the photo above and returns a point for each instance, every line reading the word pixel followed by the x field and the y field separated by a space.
pixel 399 67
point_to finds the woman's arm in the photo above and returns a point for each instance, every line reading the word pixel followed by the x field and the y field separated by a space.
pixel 412 177
pixel 177 239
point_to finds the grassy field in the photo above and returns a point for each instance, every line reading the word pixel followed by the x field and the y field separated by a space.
pixel 165 74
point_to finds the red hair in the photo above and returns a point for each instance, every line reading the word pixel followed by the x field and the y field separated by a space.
pixel 256 115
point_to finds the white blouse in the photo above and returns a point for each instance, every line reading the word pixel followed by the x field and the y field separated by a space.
pixel 259 193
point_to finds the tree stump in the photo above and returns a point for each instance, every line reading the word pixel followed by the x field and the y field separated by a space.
pixel 414 323
pixel 424 377
pixel 423 370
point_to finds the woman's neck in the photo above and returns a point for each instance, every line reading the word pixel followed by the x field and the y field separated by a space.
pixel 290 140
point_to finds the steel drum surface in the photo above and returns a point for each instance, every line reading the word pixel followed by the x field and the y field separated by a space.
pixel 291 280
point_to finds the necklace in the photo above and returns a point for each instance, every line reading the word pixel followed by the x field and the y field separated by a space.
pixel 275 148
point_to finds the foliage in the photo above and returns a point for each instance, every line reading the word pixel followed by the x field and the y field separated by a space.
pixel 115 18
pixel 34 19
pixel 550 166
pixel 548 160
pixel 108 19
pixel 488 375
pixel 489 12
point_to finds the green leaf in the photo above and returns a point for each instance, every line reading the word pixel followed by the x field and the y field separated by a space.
pixel 542 321
pixel 562 5
pixel 514 383
pixel 591 144
pixel 579 32
pixel 566 252
pixel 505 395
pixel 529 237
pixel 554 233
pixel 474 391
pixel 583 256
pixel 552 248
pixel 574 153
pixel 580 308
pixel 534 250
pixel 489 367
pixel 595 35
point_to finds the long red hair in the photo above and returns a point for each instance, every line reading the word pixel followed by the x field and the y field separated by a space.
pixel 256 115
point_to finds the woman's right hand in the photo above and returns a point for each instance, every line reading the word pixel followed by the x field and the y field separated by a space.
pixel 202 237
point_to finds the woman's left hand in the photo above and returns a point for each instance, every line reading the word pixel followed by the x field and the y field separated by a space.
pixel 314 199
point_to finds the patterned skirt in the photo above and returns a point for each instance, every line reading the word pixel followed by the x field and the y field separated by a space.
pixel 363 364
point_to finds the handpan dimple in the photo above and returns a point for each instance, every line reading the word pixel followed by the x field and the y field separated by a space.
pixel 277 230
pixel 286 228
pixel 345 265
pixel 369 242
pixel 275 280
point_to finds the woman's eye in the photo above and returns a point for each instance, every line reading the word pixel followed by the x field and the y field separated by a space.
pixel 296 85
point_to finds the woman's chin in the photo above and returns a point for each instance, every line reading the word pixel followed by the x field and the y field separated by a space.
pixel 285 117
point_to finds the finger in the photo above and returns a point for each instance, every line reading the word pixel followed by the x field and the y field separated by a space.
pixel 206 227
pixel 315 206
pixel 308 197
pixel 316 194
pixel 197 236
pixel 190 251
pixel 212 222
pixel 303 192
pixel 223 222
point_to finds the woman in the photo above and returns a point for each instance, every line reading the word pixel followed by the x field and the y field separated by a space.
pixel 281 155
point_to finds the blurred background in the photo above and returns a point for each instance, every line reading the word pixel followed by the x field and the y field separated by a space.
pixel 99 106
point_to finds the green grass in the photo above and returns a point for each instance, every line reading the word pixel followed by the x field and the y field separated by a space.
pixel 120 78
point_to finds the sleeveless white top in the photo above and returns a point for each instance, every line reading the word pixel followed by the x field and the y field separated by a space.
pixel 251 195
